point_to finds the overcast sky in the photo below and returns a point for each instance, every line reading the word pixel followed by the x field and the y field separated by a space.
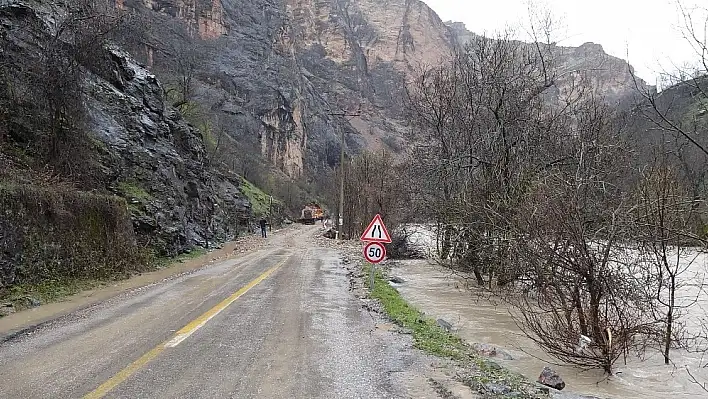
pixel 646 32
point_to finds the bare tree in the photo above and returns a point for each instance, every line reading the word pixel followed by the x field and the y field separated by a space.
pixel 480 122
pixel 666 233
pixel 376 184
pixel 578 302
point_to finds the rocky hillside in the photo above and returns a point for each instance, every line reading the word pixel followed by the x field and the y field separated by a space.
pixel 104 128
pixel 662 124
pixel 609 76
pixel 281 71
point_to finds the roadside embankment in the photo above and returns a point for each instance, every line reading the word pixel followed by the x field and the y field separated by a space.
pixel 482 375
pixel 69 296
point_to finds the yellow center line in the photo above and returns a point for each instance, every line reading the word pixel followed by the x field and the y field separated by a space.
pixel 179 336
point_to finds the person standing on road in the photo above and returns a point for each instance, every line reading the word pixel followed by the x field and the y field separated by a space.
pixel 263 227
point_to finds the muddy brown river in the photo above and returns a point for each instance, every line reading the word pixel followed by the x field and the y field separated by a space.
pixel 478 318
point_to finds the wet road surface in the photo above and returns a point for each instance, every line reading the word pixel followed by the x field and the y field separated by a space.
pixel 276 322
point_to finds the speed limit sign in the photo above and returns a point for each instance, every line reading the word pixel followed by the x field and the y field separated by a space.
pixel 374 252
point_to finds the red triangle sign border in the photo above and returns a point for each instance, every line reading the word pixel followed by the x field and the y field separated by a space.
pixel 385 239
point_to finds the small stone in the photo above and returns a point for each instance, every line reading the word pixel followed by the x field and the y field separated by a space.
pixel 497 389
pixel 492 365
pixel 397 280
pixel 444 325
pixel 542 389
pixel 550 378
pixel 492 351
pixel 7 309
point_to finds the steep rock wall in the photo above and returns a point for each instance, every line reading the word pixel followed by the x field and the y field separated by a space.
pixel 143 150
pixel 284 71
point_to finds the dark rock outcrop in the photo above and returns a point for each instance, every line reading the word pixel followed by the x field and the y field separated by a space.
pixel 550 378
pixel 159 162
pixel 142 148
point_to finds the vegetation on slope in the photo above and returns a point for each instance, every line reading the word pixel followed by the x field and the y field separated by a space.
pixel 485 376
pixel 260 201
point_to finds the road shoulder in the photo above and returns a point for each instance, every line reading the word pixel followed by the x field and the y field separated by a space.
pixel 423 376
pixel 453 368
pixel 29 319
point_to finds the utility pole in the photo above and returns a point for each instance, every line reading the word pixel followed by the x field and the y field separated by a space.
pixel 340 219
pixel 340 230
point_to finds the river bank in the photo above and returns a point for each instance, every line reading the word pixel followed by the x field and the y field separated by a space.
pixel 478 317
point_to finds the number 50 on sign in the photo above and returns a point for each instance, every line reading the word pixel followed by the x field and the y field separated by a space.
pixel 374 252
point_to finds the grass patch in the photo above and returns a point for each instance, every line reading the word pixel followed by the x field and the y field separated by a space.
pixel 193 254
pixel 181 258
pixel 260 201
pixel 427 335
pixel 27 296
pixel 133 191
pixel 160 262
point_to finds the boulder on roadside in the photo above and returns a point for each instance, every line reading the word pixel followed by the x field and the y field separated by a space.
pixel 330 233
pixel 492 351
pixel 397 280
pixel 444 325
pixel 550 378
pixel 6 309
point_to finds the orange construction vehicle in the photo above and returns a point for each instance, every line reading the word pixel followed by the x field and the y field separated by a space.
pixel 310 213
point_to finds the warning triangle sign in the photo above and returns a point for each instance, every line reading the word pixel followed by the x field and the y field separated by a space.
pixel 376 232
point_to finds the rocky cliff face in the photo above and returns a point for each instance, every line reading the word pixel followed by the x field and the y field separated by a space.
pixel 284 69
pixel 158 162
pixel 609 76
pixel 144 151
pixel 359 53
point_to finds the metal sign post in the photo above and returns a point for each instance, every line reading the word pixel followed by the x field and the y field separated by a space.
pixel 372 273
pixel 374 252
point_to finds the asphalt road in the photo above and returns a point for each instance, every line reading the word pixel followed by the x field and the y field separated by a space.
pixel 273 323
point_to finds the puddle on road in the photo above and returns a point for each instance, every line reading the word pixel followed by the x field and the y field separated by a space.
pixel 477 318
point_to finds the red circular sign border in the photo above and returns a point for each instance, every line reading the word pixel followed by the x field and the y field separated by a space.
pixel 378 244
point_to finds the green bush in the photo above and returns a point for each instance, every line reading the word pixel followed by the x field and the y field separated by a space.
pixel 260 201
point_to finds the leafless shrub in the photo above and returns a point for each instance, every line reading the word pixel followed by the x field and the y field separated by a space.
pixel 481 130
pixel 373 183
pixel 581 301
pixel 668 245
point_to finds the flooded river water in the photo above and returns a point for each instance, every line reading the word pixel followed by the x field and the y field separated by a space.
pixel 478 318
